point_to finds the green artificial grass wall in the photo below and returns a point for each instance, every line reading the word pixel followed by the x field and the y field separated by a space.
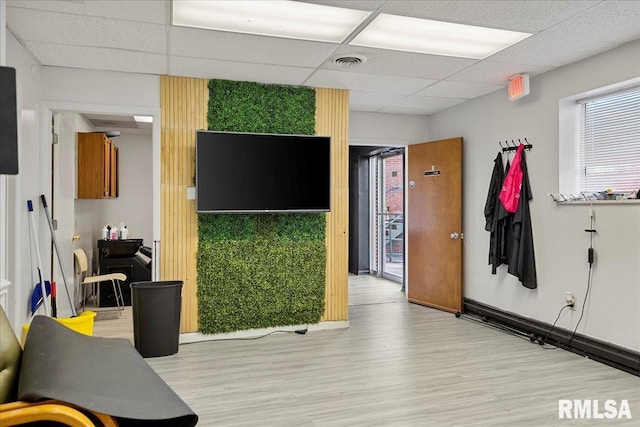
pixel 260 270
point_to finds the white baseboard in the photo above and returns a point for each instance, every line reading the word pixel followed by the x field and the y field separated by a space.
pixel 193 337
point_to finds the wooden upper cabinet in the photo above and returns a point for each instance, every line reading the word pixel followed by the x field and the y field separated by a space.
pixel 113 176
pixel 97 166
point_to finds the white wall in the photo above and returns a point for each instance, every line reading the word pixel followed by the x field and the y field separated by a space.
pixel 387 129
pixel 4 282
pixel 105 88
pixel 61 203
pixel 613 307
pixel 134 204
pixel 41 90
pixel 26 185
pixel 107 92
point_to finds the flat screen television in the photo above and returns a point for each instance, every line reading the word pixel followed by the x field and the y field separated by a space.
pixel 8 122
pixel 262 173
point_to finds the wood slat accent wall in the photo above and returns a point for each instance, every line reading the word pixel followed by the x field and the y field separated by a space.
pixel 332 119
pixel 184 110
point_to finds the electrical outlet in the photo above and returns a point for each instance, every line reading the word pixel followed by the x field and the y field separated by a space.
pixel 570 300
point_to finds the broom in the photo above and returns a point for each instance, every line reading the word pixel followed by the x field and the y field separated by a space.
pixel 40 291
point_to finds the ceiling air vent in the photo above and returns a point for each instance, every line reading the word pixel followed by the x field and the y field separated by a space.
pixel 349 60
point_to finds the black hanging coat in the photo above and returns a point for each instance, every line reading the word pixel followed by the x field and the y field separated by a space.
pixel 521 255
pixel 493 224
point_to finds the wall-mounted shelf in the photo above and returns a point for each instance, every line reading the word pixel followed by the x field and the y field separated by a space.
pixel 599 202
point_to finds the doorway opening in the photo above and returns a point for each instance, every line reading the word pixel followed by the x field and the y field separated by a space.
pixel 377 200
pixel 387 214
pixel 80 221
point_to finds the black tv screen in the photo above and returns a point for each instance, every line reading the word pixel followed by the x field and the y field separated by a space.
pixel 8 122
pixel 260 173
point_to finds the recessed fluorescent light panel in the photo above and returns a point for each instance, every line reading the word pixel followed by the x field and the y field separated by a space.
pixel 289 19
pixel 143 119
pixel 435 37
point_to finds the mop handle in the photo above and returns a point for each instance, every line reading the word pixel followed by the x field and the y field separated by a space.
pixel 43 289
pixel 57 248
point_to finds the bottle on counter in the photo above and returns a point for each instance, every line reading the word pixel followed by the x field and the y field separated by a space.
pixel 124 232
pixel 106 232
pixel 114 233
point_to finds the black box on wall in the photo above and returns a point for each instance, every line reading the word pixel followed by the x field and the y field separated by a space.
pixel 8 122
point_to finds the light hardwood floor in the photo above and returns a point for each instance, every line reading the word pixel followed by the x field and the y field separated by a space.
pixel 109 324
pixel 362 290
pixel 398 364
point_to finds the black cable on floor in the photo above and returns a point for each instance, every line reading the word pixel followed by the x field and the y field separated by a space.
pixel 544 340
pixel 297 331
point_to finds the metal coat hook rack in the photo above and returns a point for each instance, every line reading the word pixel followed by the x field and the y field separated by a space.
pixel 513 146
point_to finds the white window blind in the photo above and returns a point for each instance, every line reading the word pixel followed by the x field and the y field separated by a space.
pixel 610 142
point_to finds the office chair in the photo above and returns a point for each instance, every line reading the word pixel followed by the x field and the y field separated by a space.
pixel 115 278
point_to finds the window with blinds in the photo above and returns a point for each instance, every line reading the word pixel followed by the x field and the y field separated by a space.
pixel 610 142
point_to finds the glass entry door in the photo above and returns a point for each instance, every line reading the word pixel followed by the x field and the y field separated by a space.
pixel 387 198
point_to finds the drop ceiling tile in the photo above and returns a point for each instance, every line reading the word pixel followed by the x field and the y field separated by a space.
pixel 424 104
pixel 527 16
pixel 451 89
pixel 367 82
pixel 98 58
pixel 614 22
pixel 261 73
pixel 407 110
pixel 152 11
pixel 548 49
pixel 79 30
pixel 229 46
pixel 364 108
pixel 402 64
pixel 358 97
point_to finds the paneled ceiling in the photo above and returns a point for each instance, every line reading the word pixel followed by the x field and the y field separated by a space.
pixel 136 36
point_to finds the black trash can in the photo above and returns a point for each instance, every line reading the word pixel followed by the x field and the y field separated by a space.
pixel 156 317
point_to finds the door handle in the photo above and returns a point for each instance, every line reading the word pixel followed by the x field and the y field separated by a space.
pixel 454 236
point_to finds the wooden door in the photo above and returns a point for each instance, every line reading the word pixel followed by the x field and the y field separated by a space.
pixel 434 224
pixel 93 157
